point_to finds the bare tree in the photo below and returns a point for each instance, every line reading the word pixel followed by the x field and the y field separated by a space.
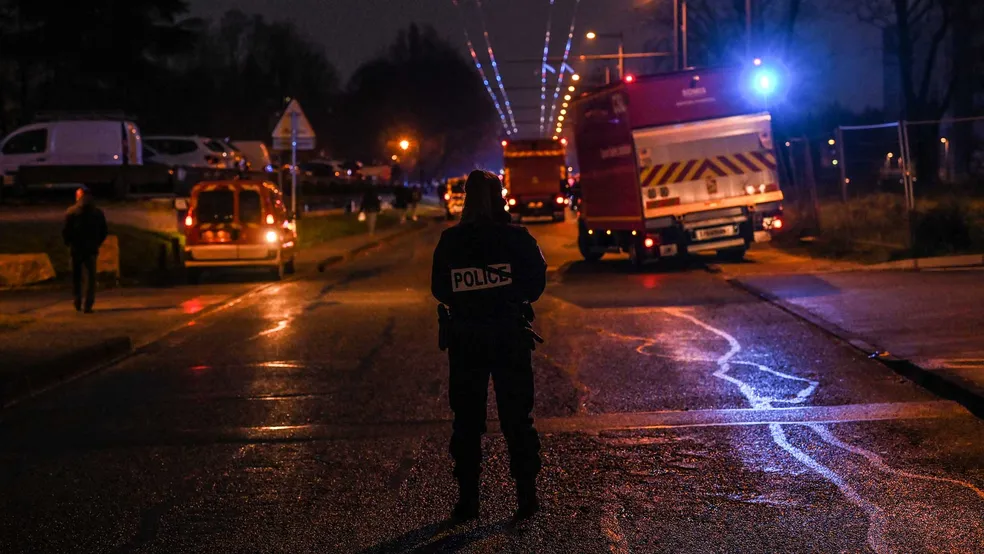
pixel 919 32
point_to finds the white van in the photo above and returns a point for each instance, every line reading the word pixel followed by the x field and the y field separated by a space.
pixel 256 154
pixel 71 142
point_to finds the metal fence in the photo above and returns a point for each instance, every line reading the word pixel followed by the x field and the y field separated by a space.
pixel 890 191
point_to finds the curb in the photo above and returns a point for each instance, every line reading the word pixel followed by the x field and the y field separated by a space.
pixel 937 262
pixel 934 382
pixel 63 368
pixel 338 258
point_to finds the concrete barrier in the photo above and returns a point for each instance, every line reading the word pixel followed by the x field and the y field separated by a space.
pixel 24 269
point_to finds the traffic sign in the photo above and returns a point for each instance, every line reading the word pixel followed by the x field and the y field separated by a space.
pixel 293 130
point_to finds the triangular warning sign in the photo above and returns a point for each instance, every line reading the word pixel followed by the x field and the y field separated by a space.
pixel 304 129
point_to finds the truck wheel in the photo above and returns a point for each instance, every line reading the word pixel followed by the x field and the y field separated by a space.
pixel 733 254
pixel 584 245
pixel 637 256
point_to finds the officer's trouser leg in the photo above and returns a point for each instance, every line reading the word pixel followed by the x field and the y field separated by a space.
pixel 468 395
pixel 514 398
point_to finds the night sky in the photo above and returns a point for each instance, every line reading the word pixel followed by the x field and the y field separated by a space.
pixel 355 30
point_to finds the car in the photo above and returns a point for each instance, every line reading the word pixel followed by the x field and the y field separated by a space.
pixel 191 151
pixel 257 154
pixel 82 141
pixel 238 159
pixel 238 224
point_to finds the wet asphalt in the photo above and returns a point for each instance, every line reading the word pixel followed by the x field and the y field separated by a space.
pixel 678 414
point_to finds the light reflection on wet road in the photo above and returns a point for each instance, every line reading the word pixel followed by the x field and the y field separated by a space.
pixel 678 415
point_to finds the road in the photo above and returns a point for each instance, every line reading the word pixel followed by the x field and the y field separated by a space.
pixel 678 414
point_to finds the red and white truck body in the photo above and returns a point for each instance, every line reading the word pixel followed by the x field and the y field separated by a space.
pixel 674 164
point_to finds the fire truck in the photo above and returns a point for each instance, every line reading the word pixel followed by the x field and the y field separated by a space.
pixel 535 178
pixel 677 163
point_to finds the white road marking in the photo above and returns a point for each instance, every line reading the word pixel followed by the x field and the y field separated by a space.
pixel 878 521
pixel 880 464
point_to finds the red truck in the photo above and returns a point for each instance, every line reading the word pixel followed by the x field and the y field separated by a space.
pixel 676 163
pixel 535 178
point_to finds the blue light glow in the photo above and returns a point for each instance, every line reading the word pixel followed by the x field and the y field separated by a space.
pixel 765 81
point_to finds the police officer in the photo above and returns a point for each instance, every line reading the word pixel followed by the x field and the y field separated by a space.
pixel 487 272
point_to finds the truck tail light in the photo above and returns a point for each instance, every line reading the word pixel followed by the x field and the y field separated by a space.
pixel 559 199
pixel 189 221
pixel 269 219
pixel 649 242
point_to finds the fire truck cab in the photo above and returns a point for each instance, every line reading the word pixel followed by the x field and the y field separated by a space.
pixel 674 164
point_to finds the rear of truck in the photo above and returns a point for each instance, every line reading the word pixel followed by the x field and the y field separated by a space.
pixel 535 177
pixel 676 164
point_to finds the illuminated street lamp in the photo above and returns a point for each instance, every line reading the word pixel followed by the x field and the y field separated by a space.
pixel 575 77
pixel 831 142
pixel 621 48
pixel 567 97
pixel 395 157
pixel 404 145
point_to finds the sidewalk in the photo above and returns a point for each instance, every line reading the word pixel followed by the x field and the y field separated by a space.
pixel 931 319
pixel 43 340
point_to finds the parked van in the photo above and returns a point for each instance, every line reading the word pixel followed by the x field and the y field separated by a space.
pixel 257 154
pixel 238 224
pixel 75 142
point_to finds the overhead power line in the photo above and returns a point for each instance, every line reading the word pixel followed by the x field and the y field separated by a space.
pixel 563 65
pixel 481 70
pixel 543 70
pixel 495 66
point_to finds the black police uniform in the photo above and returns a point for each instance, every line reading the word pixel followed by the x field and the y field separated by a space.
pixel 486 273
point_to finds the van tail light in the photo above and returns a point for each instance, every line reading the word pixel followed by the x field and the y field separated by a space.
pixel 189 221
pixel 559 199
pixel 269 219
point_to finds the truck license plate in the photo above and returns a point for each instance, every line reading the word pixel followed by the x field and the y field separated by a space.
pixel 716 232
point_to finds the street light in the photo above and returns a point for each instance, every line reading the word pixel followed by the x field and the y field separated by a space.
pixel 395 157
pixel 831 142
pixel 404 145
pixel 575 77
pixel 621 48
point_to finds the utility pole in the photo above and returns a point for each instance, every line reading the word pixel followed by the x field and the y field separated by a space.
pixel 676 35
pixel 748 29
pixel 686 63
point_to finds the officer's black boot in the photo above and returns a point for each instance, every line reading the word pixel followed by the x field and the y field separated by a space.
pixel 467 506
pixel 526 497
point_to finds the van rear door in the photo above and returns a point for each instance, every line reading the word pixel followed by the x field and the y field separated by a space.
pixel 215 212
pixel 252 244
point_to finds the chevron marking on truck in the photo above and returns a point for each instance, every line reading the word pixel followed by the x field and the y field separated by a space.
pixel 720 166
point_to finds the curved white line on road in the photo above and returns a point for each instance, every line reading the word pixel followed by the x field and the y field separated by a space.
pixel 877 523
pixel 880 464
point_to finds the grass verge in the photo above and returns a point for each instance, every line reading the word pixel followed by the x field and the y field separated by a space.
pixel 140 249
pixel 319 229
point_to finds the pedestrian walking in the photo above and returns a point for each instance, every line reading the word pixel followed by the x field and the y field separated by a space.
pixel 371 207
pixel 401 200
pixel 415 197
pixel 486 274
pixel 84 232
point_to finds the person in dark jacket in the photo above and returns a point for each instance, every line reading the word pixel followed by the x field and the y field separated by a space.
pixel 488 272
pixel 371 206
pixel 84 232
pixel 401 201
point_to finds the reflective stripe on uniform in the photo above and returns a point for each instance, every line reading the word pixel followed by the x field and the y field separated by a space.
pixel 473 278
